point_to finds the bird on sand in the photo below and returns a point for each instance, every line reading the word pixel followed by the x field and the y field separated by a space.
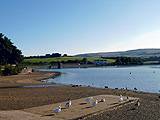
pixel 89 99
pixel 57 109
pixel 137 103
pixel 103 100
pixel 121 98
pixel 68 103
pixel 94 103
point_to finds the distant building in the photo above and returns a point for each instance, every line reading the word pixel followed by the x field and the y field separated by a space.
pixel 101 62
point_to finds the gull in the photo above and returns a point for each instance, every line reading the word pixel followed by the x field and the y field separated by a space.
pixel 121 98
pixel 103 100
pixel 58 109
pixel 95 103
pixel 89 99
pixel 68 103
pixel 137 103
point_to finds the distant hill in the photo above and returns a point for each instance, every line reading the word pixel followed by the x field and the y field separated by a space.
pixel 130 53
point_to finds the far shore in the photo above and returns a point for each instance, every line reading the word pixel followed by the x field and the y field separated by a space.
pixel 75 65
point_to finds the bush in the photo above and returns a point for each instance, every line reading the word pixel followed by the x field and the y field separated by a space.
pixel 10 70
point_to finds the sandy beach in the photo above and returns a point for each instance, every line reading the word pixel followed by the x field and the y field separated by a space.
pixel 25 79
pixel 17 98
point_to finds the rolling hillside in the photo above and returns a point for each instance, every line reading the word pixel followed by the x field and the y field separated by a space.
pixel 129 53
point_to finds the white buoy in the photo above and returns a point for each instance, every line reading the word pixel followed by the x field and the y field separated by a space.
pixel 68 104
pixel 57 109
pixel 95 103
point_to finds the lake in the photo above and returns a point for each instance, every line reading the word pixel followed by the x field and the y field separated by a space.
pixel 144 78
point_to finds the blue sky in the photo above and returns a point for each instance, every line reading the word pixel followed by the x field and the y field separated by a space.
pixel 80 26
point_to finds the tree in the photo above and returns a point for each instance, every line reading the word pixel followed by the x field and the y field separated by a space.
pixel 128 61
pixel 84 60
pixel 9 54
pixel 65 55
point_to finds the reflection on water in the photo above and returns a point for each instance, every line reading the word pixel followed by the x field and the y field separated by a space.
pixel 143 78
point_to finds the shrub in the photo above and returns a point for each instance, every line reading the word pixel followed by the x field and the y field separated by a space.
pixel 10 70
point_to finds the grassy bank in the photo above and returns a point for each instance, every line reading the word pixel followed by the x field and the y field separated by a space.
pixel 64 60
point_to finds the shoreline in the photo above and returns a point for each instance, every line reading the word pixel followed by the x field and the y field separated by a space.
pixel 20 80
pixel 70 66
pixel 21 98
pixel 41 82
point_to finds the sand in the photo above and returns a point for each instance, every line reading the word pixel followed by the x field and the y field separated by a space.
pixel 25 79
pixel 78 109
pixel 13 98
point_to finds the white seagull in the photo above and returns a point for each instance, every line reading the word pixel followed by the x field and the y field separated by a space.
pixel 89 99
pixel 121 98
pixel 137 103
pixel 95 103
pixel 68 103
pixel 57 109
pixel 103 100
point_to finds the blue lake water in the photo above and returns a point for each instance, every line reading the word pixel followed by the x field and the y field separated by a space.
pixel 144 78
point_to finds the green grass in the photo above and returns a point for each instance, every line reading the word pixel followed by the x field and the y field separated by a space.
pixel 64 59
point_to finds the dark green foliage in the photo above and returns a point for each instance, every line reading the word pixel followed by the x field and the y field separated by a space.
pixel 84 60
pixel 10 57
pixel 128 61
pixel 10 70
pixel 53 55
pixel 65 55
pixel 9 54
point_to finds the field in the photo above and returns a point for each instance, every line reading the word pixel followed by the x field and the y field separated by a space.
pixel 64 59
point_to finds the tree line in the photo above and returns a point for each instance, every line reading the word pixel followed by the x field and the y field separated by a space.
pixel 47 56
pixel 129 61
pixel 126 60
pixel 10 57
pixel 9 54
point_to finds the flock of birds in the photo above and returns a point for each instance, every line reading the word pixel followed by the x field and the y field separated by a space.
pixel 90 100
pixel 93 102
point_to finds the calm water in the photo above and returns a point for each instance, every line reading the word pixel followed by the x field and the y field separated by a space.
pixel 144 78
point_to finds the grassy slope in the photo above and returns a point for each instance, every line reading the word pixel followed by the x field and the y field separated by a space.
pixel 60 59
